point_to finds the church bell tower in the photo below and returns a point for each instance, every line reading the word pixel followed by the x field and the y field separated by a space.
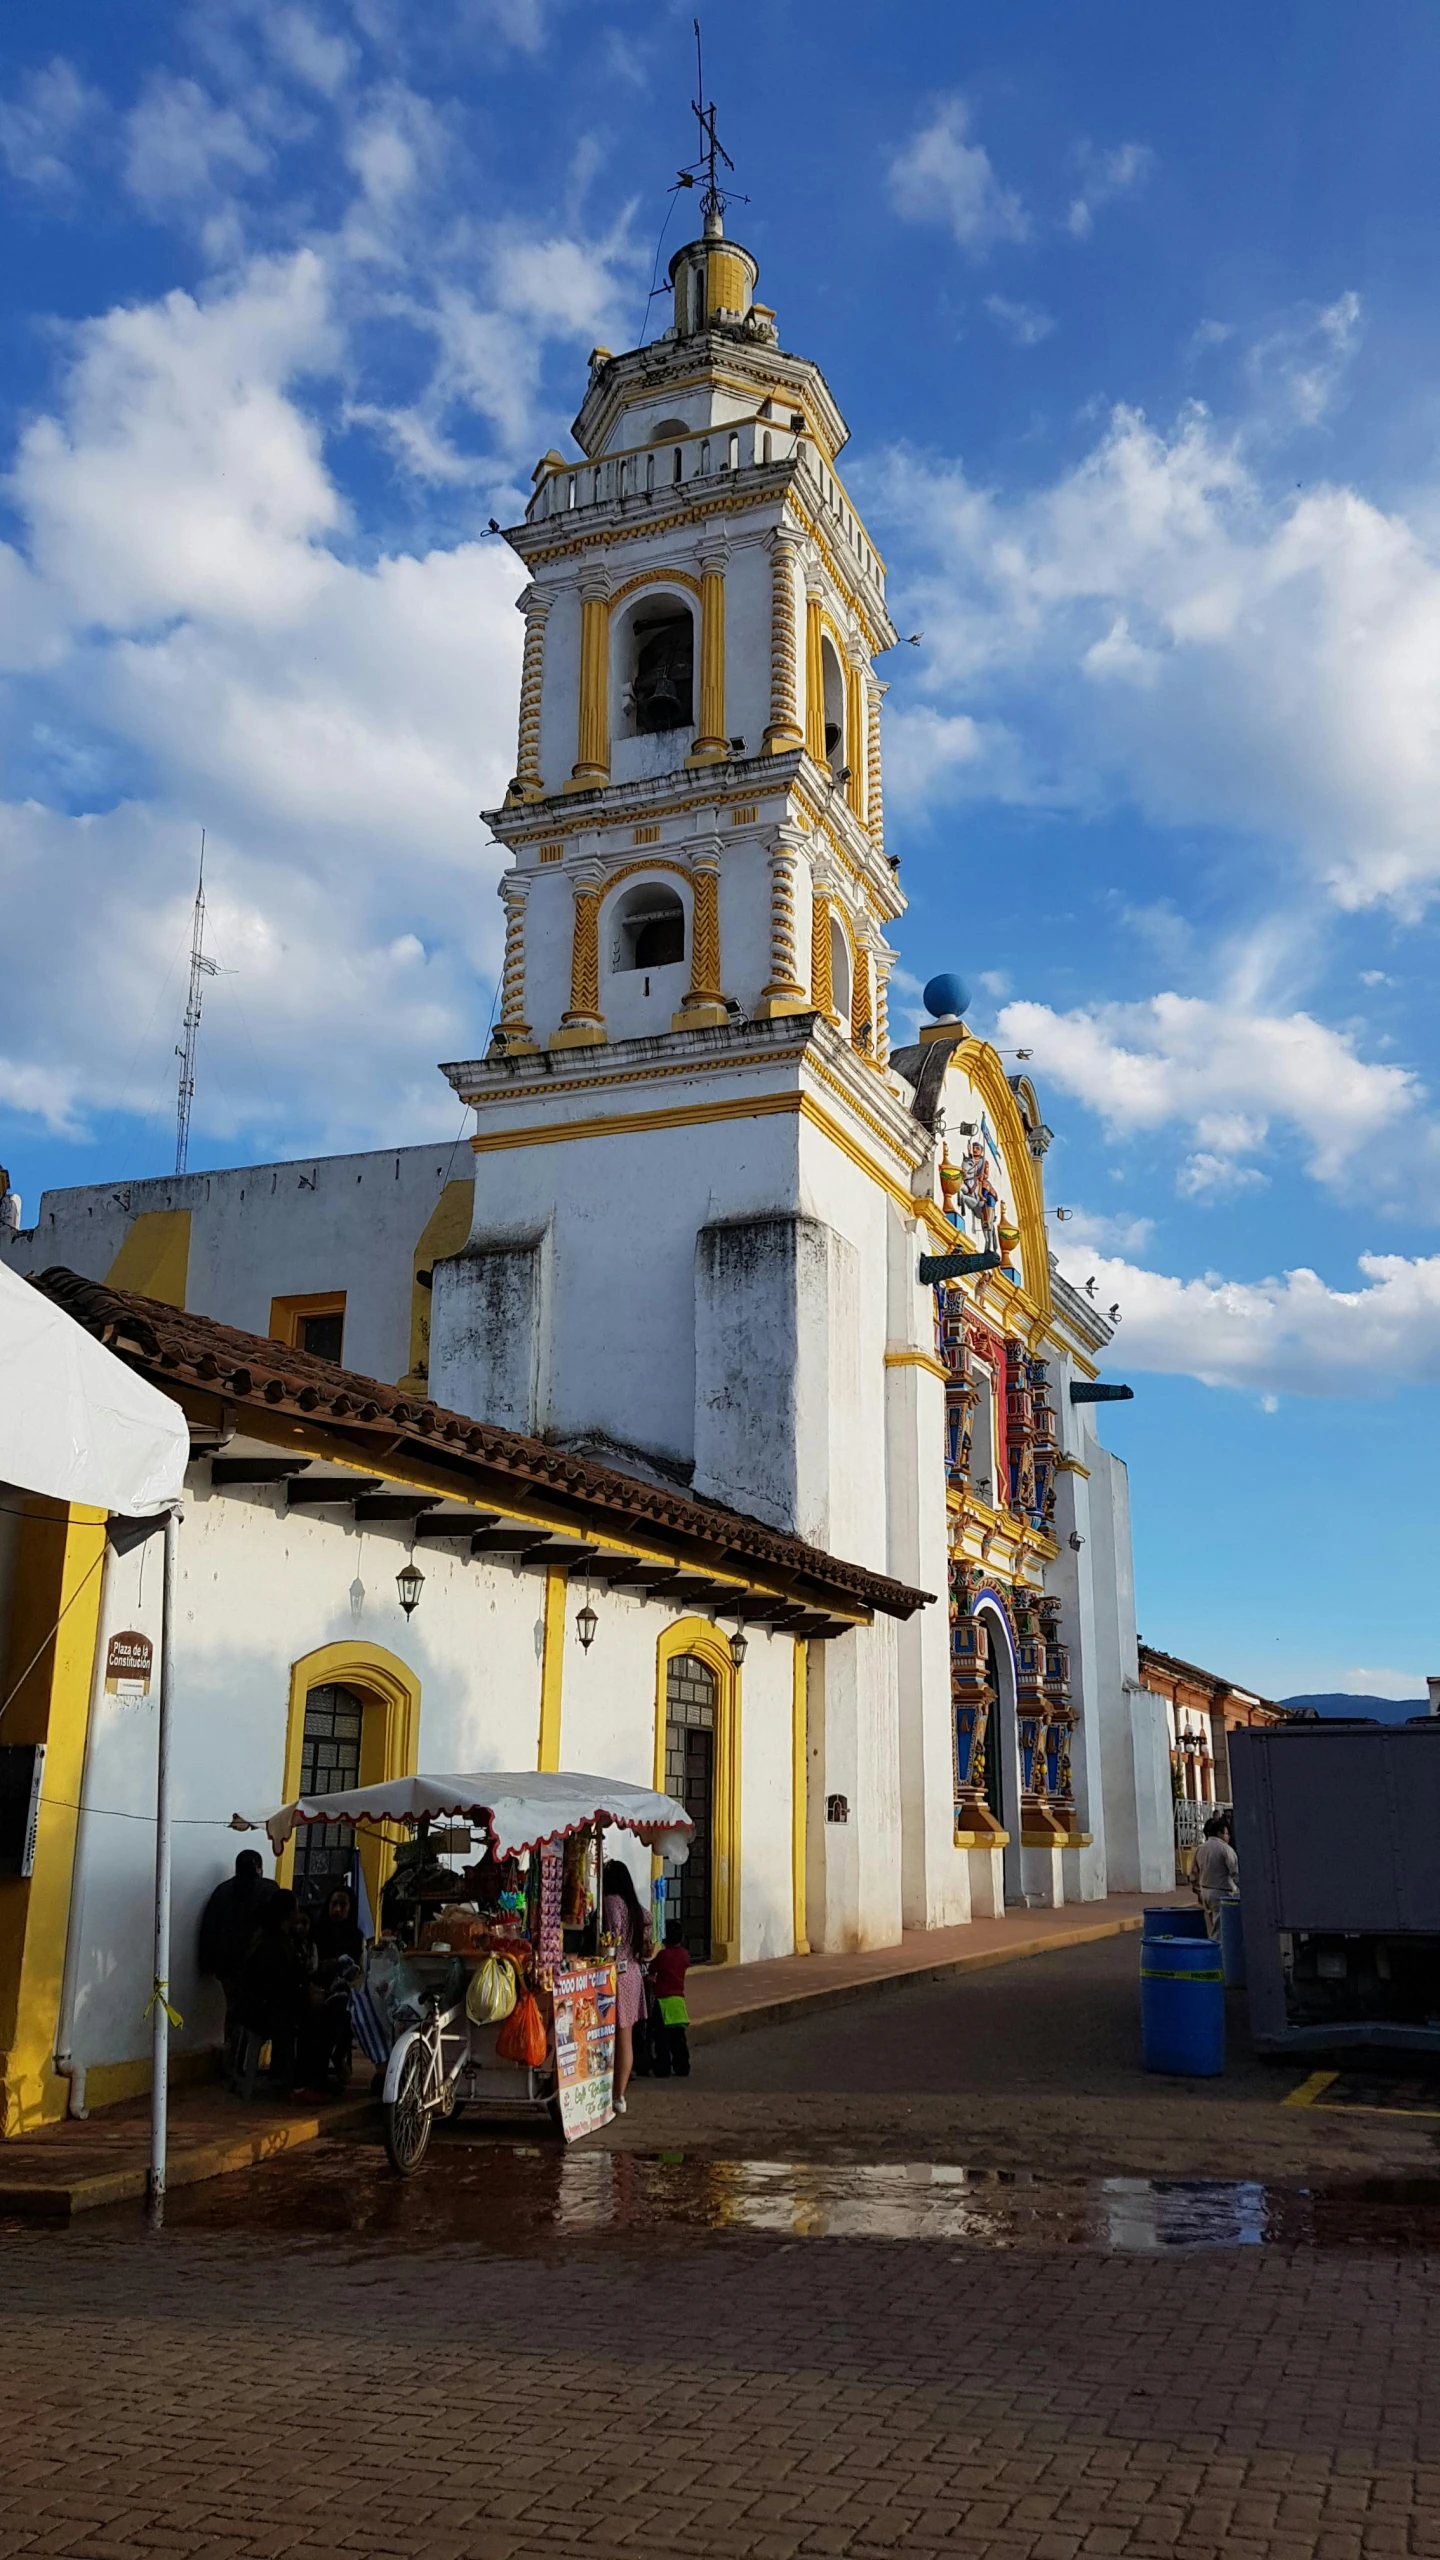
pixel 695 821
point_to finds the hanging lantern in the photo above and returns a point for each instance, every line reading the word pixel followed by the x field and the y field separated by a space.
pixel 410 1582
pixel 586 1623
pixel 739 1647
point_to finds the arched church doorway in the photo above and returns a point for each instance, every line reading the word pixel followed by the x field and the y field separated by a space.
pixel 691 1703
pixel 1002 1758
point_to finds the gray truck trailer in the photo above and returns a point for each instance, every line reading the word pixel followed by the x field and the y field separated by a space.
pixel 1337 1829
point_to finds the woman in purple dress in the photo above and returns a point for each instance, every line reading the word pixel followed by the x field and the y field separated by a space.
pixel 624 1921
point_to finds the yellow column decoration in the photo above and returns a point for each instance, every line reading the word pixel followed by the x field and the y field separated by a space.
pixel 704 1005
pixel 822 984
pixel 874 803
pixel 862 1014
pixel 799 1794
pixel 514 1030
pixel 711 740
pixel 814 683
pixel 783 992
pixel 529 782
pixel 582 1026
pixel 884 963
pixel 592 761
pixel 855 741
pixel 784 731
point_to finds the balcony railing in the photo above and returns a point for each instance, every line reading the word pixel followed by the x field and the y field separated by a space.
pixel 707 453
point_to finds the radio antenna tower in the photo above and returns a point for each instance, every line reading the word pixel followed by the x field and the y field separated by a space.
pixel 200 969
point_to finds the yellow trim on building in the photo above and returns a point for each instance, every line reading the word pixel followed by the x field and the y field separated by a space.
pixel 552 1669
pixel 286 1314
pixel 55 1615
pixel 918 1360
pixel 154 1258
pixel 799 1792
pixel 389 1735
pixel 702 1638
pixel 443 1234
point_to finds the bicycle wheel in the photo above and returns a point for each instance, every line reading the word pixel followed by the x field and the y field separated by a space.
pixel 407 2116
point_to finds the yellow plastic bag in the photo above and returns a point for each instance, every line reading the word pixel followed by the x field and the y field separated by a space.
pixel 492 1993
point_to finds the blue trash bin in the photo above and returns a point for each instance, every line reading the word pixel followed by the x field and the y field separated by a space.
pixel 1161 1921
pixel 1232 1945
pixel 1182 2007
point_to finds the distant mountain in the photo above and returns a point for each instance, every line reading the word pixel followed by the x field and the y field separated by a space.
pixel 1342 1702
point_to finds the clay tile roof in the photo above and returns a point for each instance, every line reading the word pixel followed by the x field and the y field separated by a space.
pixel 178 1349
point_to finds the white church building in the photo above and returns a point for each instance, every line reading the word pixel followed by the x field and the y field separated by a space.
pixel 690 1246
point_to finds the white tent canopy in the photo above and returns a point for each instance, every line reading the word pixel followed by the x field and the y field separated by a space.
pixel 75 1423
pixel 515 1809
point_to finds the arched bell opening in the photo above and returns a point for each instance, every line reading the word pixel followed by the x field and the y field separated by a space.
pixel 834 697
pixel 648 928
pixel 644 957
pixel 655 690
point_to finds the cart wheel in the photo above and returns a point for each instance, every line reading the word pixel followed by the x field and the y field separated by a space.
pixel 407 2117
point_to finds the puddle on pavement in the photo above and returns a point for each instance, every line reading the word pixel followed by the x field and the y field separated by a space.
pixel 515 2199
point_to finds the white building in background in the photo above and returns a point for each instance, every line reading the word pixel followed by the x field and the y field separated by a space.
pixel 703 1184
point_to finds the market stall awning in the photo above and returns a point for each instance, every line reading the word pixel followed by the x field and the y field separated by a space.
pixel 515 1809
pixel 75 1423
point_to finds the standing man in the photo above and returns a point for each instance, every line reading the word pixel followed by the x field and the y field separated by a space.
pixel 1217 1872
pixel 228 1925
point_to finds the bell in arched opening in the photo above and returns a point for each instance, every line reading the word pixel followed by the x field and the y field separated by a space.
pixel 664 673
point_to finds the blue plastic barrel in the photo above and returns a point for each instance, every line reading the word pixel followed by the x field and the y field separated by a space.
pixel 1182 2007
pixel 1162 1921
pixel 1232 1945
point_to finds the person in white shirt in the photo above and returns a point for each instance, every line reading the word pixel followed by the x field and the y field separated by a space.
pixel 1217 1872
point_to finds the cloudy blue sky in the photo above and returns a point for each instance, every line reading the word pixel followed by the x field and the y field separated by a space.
pixel 1134 315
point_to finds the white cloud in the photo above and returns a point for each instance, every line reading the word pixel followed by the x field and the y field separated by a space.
pixel 1230 1076
pixel 1204 1176
pixel 1023 322
pixel 41 125
pixel 1298 366
pixel 1157 625
pixel 182 147
pixel 336 725
pixel 942 176
pixel 1289 1335
pixel 322 60
pixel 179 475
pixel 1106 175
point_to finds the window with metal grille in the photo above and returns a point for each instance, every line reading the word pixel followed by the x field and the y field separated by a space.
pixel 690 1699
pixel 329 1760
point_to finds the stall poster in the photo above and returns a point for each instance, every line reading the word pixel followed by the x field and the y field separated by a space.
pixel 584 1996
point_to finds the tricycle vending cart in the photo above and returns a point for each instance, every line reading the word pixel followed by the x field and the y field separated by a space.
pixel 491 1983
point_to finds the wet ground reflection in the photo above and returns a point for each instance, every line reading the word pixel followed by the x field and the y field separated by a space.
pixel 515 2198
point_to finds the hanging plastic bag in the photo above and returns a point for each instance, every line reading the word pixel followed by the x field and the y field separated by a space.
pixel 492 1992
pixel 523 2037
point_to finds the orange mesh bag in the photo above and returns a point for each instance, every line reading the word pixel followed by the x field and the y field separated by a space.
pixel 523 2037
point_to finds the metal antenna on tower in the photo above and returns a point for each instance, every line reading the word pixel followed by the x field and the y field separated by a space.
pixel 714 199
pixel 200 970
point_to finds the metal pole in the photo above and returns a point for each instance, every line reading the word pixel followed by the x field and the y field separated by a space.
pixel 160 1989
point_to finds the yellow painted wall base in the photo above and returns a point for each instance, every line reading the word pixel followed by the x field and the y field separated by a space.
pixel 579 1035
pixel 107 2084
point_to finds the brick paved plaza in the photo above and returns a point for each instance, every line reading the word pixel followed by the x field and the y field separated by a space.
pixel 237 2397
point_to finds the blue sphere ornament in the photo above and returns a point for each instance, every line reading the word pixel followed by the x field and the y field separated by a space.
pixel 946 994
